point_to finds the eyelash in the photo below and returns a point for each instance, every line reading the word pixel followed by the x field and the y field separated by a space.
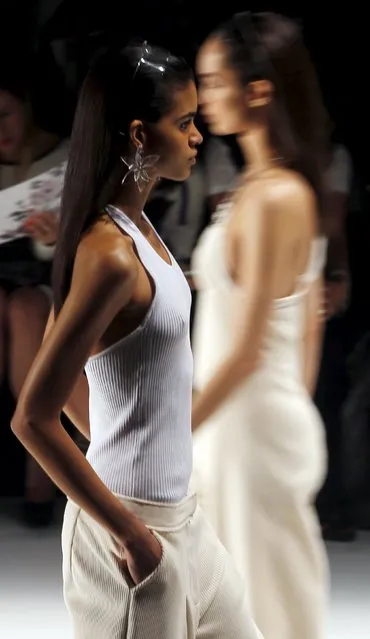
pixel 185 125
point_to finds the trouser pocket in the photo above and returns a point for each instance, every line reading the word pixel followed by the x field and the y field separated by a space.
pixel 71 515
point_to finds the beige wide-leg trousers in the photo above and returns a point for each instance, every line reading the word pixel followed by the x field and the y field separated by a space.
pixel 195 593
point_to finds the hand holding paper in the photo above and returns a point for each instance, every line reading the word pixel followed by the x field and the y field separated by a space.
pixel 42 227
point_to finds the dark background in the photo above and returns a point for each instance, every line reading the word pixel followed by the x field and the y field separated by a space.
pixel 64 34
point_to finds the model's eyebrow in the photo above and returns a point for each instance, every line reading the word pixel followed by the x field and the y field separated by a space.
pixel 187 116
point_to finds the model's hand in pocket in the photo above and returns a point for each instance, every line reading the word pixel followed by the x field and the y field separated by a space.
pixel 142 555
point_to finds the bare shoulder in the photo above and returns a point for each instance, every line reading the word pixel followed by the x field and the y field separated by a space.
pixel 289 192
pixel 288 205
pixel 105 259
pixel 281 207
pixel 283 191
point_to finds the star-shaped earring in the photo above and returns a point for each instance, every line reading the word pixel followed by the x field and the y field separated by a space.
pixel 139 167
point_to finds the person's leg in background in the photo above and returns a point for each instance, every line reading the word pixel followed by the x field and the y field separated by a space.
pixel 28 310
pixel 331 393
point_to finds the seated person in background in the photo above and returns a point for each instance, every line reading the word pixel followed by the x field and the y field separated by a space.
pixel 26 151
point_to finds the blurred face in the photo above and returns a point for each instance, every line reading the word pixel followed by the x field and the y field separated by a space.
pixel 175 137
pixel 12 127
pixel 222 98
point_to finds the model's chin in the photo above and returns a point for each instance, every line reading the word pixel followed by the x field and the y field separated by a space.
pixel 180 176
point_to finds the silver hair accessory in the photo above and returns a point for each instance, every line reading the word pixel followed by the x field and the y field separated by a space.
pixel 144 59
pixel 139 167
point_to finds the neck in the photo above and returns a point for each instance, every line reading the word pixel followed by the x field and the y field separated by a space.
pixel 256 149
pixel 132 201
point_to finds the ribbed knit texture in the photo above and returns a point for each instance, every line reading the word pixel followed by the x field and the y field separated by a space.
pixel 140 390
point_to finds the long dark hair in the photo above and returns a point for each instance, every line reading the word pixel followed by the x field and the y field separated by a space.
pixel 270 46
pixel 136 82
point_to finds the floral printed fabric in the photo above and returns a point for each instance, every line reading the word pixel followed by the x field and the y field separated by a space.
pixel 39 194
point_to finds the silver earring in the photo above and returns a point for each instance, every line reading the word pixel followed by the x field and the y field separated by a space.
pixel 139 167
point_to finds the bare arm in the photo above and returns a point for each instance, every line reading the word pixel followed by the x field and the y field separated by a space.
pixel 102 284
pixel 259 273
pixel 77 406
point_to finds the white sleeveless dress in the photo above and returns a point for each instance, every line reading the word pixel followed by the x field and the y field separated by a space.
pixel 260 460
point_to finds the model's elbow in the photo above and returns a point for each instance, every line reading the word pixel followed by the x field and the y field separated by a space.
pixel 23 425
pixel 20 425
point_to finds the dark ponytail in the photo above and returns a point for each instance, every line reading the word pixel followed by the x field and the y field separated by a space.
pixel 89 184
